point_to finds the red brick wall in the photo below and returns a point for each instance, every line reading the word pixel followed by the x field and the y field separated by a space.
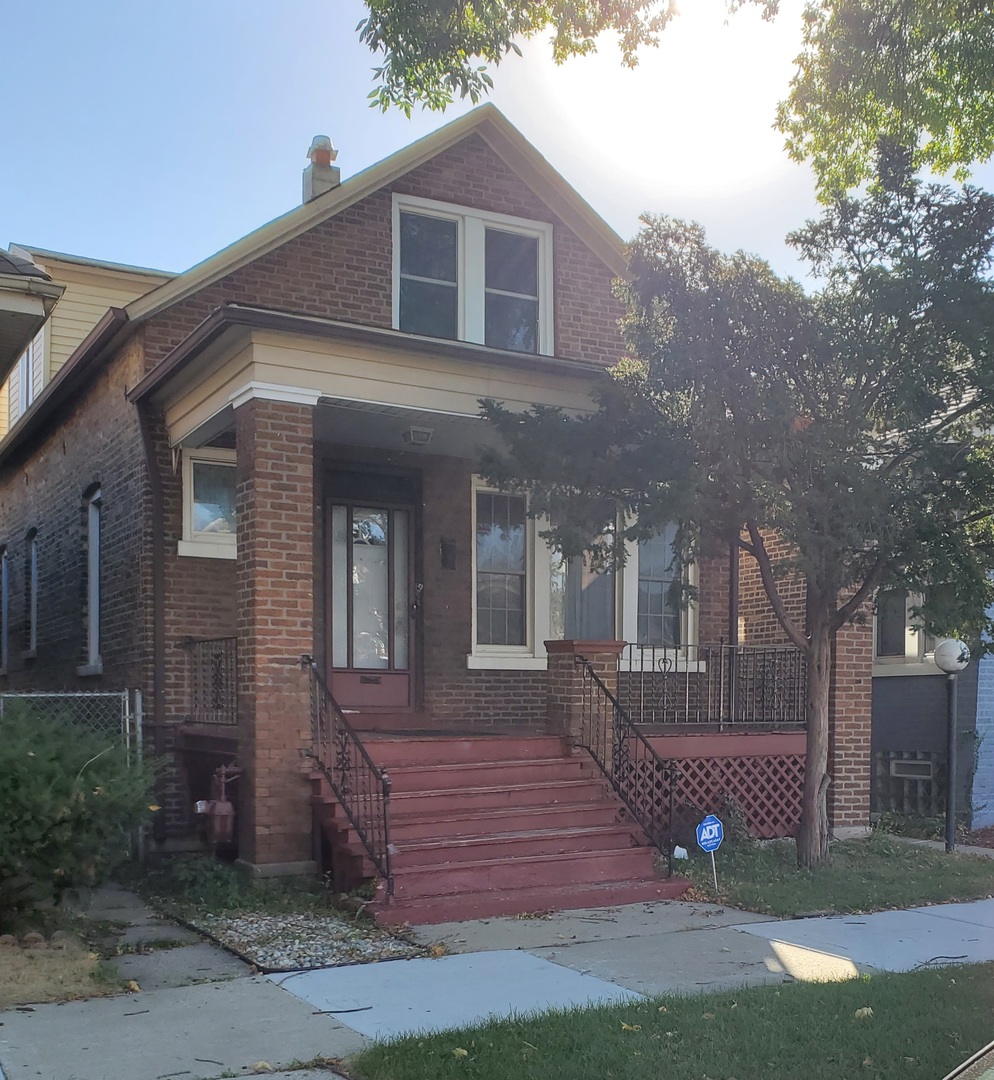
pixel 93 440
pixel 275 496
pixel 849 740
pixel 851 692
pixel 341 269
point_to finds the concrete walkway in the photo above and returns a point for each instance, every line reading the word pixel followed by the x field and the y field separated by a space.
pixel 201 1013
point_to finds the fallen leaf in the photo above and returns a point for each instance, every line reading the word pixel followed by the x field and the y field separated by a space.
pixel 528 1044
pixel 630 1027
pixel 132 987
pixel 437 951
pixel 261 1067
pixel 863 1014
pixel 867 1063
pixel 910 1061
pixel 662 1008
pixel 708 1016
pixel 459 1052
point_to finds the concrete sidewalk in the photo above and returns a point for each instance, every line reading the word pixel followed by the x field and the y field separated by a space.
pixel 202 1013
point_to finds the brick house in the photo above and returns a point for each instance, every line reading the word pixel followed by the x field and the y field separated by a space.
pixel 273 457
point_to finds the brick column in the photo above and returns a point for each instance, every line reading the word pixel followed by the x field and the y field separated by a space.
pixel 850 705
pixel 564 689
pixel 275 587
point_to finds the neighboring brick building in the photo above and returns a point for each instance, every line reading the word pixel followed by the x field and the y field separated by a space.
pixel 273 455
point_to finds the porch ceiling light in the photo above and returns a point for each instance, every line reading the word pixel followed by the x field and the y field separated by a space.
pixel 417 436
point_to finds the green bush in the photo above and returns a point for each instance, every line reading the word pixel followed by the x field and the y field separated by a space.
pixel 69 804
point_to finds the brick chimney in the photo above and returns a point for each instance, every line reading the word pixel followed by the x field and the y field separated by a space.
pixel 321 176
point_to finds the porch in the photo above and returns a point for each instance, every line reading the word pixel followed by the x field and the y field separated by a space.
pixel 453 823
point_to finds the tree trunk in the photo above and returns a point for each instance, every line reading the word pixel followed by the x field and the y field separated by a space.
pixel 812 835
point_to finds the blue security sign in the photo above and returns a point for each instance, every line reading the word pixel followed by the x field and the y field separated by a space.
pixel 710 833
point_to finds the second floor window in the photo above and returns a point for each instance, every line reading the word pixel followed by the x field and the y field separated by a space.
pixel 465 275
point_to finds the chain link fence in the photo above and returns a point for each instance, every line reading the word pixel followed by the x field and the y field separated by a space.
pixel 115 714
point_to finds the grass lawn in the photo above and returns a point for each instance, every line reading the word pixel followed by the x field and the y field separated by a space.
pixel 865 875
pixel 922 1025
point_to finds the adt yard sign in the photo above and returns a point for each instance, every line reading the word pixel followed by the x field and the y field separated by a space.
pixel 710 834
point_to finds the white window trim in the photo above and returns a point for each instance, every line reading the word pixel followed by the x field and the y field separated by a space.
pixel 689 615
pixel 94 662
pixel 538 570
pixel 539 560
pixel 31 649
pixel 4 609
pixel 204 545
pixel 470 275
pixel 915 661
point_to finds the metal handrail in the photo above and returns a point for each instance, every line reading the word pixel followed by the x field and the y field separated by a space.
pixel 756 686
pixel 630 763
pixel 359 784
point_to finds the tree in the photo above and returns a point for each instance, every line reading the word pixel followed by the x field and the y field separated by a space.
pixel 921 74
pixel 843 422
pixel 431 48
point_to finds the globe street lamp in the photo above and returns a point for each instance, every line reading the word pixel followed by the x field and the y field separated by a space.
pixel 951 656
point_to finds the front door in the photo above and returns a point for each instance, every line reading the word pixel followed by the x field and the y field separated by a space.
pixel 370 609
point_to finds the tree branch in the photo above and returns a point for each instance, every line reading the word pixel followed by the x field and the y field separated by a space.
pixel 858 598
pixel 762 557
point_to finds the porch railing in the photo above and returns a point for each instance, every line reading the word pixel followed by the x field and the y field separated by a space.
pixel 213 680
pixel 362 788
pixel 645 782
pixel 759 686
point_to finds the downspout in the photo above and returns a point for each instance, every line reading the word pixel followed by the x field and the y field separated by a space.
pixel 158 597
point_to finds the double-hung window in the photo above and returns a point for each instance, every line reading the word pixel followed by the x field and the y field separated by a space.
pixel 31 596
pixel 467 275
pixel 93 508
pixel 208 503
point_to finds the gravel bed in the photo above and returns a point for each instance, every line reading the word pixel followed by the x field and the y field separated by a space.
pixel 303 942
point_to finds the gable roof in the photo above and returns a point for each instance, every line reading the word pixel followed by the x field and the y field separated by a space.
pixel 486 121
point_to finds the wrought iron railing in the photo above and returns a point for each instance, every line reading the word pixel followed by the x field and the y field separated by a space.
pixel 213 680
pixel 759 686
pixel 361 787
pixel 645 782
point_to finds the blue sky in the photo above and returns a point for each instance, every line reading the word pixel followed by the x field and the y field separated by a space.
pixel 156 134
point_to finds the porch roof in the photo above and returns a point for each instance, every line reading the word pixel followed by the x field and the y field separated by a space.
pixel 230 316
pixel 242 352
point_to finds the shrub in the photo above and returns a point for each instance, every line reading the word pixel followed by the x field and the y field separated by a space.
pixel 69 803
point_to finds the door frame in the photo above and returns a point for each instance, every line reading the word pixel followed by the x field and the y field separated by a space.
pixel 385 488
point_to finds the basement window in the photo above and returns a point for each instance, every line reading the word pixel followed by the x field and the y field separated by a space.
pixel 208 504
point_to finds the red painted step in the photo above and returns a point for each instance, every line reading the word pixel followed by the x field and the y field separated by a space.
pixel 487 905
pixel 575 868
pixel 489 825
pixel 446 850
pixel 461 775
pixel 389 751
pixel 554 793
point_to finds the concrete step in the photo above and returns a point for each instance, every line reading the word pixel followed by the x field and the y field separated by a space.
pixel 572 868
pixel 426 911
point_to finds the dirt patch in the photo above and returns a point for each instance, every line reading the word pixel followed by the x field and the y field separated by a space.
pixel 60 968
pixel 981 838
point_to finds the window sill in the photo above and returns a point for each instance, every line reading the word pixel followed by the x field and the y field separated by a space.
pixel 89 670
pixel 506 662
pixel 910 667
pixel 198 550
